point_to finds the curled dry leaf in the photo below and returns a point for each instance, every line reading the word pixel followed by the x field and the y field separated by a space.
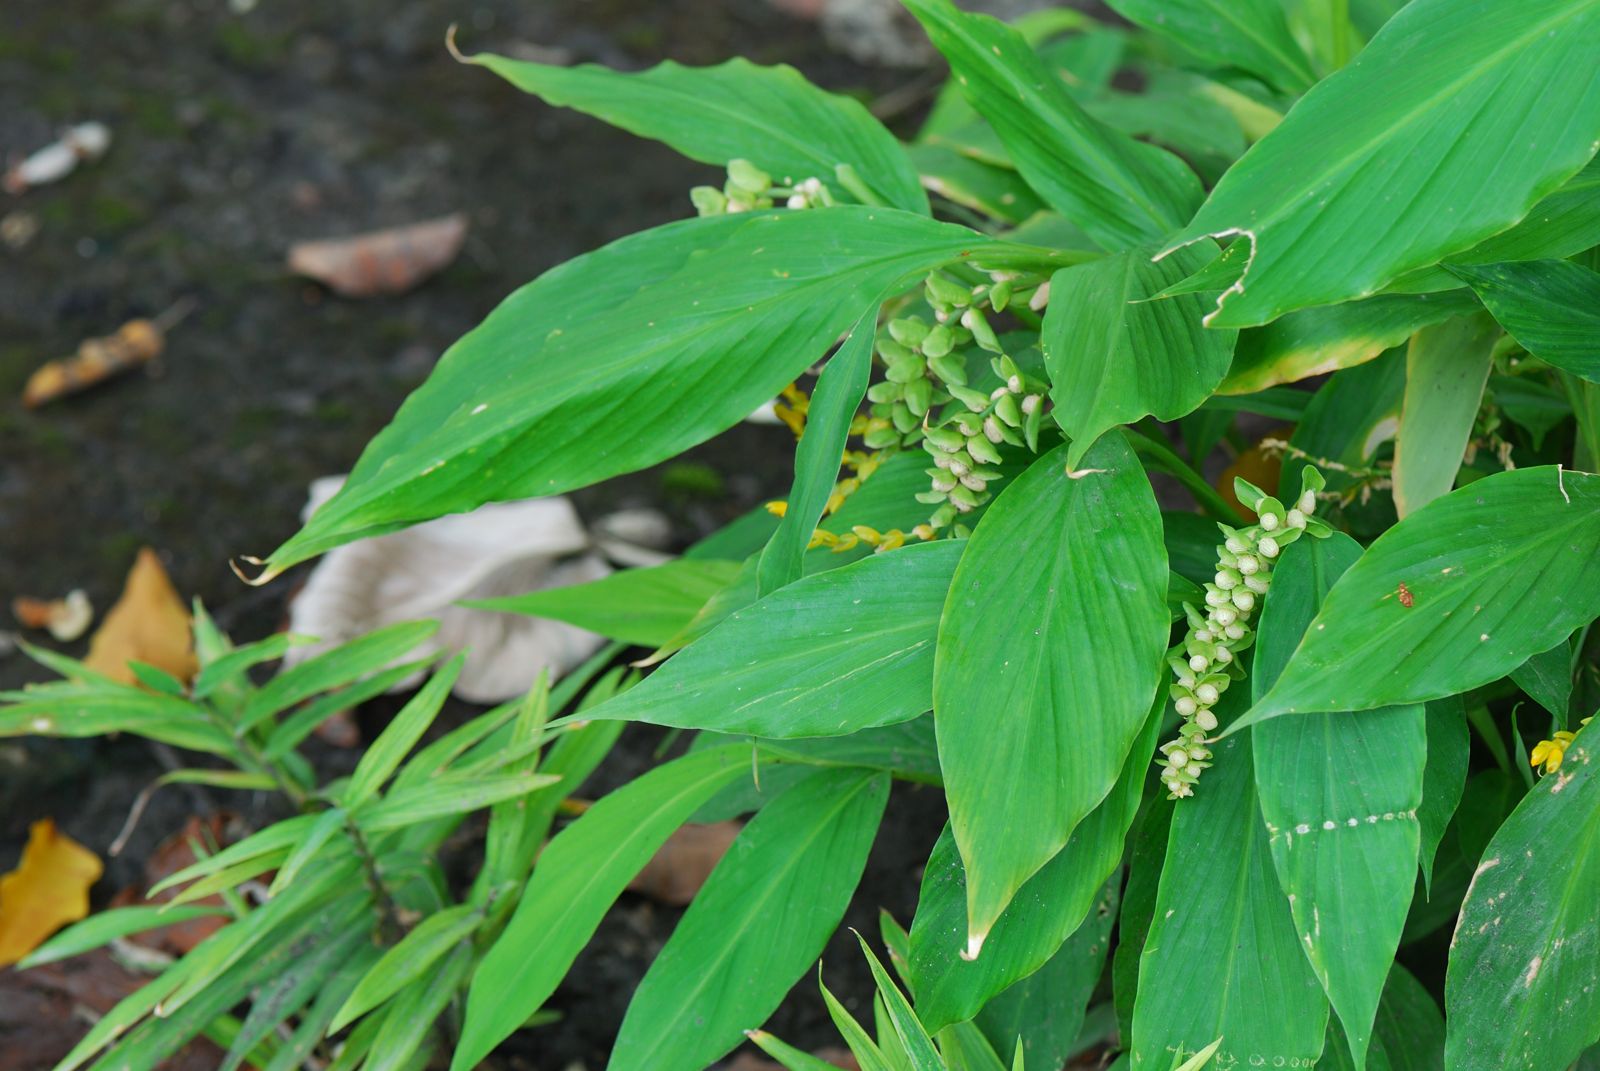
pixel 136 344
pixel 49 888
pixel 173 854
pixel 676 872
pixel 86 141
pixel 149 624
pixel 381 262
pixel 66 619
pixel 507 548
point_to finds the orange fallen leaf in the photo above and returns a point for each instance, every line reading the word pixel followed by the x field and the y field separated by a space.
pixel 1255 465
pixel 381 262
pixel 684 862
pixel 148 624
pixel 49 888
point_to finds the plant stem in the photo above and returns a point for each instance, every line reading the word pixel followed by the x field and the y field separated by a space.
pixel 1173 465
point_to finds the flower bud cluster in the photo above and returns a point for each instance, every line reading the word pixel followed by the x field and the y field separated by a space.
pixel 749 188
pixel 1208 660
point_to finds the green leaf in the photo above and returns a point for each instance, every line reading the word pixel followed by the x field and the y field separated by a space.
pixel 1443 778
pixel 1497 570
pixel 831 654
pixel 1045 1011
pixel 643 606
pixel 1051 906
pixel 1552 307
pixel 408 1023
pixel 1146 853
pixel 840 388
pixel 1035 712
pixel 1115 357
pixel 1410 1029
pixel 408 960
pixel 1325 339
pixel 791 1058
pixel 770 116
pixel 446 798
pixel 581 872
pixel 1399 160
pixel 1523 988
pixel 868 1056
pixel 676 334
pixel 995 191
pixel 919 1049
pixel 334 668
pixel 106 926
pixel 1120 191
pixel 213 675
pixel 759 922
pixel 1562 225
pixel 1447 366
pixel 1547 677
pixel 383 758
pixel 1340 794
pixel 1222 937
pixel 1251 35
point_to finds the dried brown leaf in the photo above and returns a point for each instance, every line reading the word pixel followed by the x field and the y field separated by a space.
pixel 381 262
pixel 49 888
pixel 149 624
pixel 681 867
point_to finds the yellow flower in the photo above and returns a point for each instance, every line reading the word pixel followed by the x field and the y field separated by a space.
pixel 777 509
pixel 1549 753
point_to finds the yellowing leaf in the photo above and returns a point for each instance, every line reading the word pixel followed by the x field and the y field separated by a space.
pixel 149 624
pixel 49 888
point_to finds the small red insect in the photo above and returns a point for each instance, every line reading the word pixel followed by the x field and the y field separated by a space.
pixel 1407 599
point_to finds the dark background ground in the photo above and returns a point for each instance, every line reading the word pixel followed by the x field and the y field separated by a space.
pixel 235 135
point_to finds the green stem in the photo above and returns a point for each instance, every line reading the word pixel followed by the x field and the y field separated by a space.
pixel 1483 721
pixel 1174 466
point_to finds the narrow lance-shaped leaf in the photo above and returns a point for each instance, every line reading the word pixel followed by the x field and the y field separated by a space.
pixel 1222 957
pixel 1114 356
pixel 1523 988
pixel 1552 307
pixel 1251 35
pixel 1495 572
pixel 644 606
pixel 1339 794
pixel 840 388
pixel 1446 368
pixel 674 334
pixel 770 116
pixel 1118 190
pixel 759 922
pixel 1443 779
pixel 582 871
pixel 1050 653
pixel 834 653
pixel 1399 160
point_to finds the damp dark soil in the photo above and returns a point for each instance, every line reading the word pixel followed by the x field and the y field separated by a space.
pixel 238 132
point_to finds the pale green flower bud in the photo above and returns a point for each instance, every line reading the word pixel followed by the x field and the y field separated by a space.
pixel 1206 720
pixel 983 451
pixel 908 331
pixel 1308 502
pixel 1207 694
pixel 708 200
pixel 1244 599
pixel 1248 564
pixel 1296 519
pixel 1269 522
pixel 1227 579
pixel 749 176
pixel 1186 706
pixel 1236 631
pixel 1267 547
pixel 1198 663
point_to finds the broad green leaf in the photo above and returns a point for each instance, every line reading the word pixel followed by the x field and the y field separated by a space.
pixel 1497 570
pixel 1313 341
pixel 391 747
pixel 1222 939
pixel 675 334
pixel 770 116
pixel 1410 1028
pixel 1050 907
pixel 1339 793
pixel 1443 778
pixel 840 388
pixel 995 191
pixel 1552 307
pixel 759 922
pixel 1045 1011
pixel 1446 368
pixel 1547 677
pixel 408 960
pixel 1036 710
pixel 581 872
pixel 1399 160
pixel 1562 225
pixel 1523 988
pixel 1115 357
pixel 643 606
pixel 1177 112
pixel 1147 851
pixel 831 654
pixel 905 749
pixel 1251 35
pixel 1120 191
pixel 106 926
